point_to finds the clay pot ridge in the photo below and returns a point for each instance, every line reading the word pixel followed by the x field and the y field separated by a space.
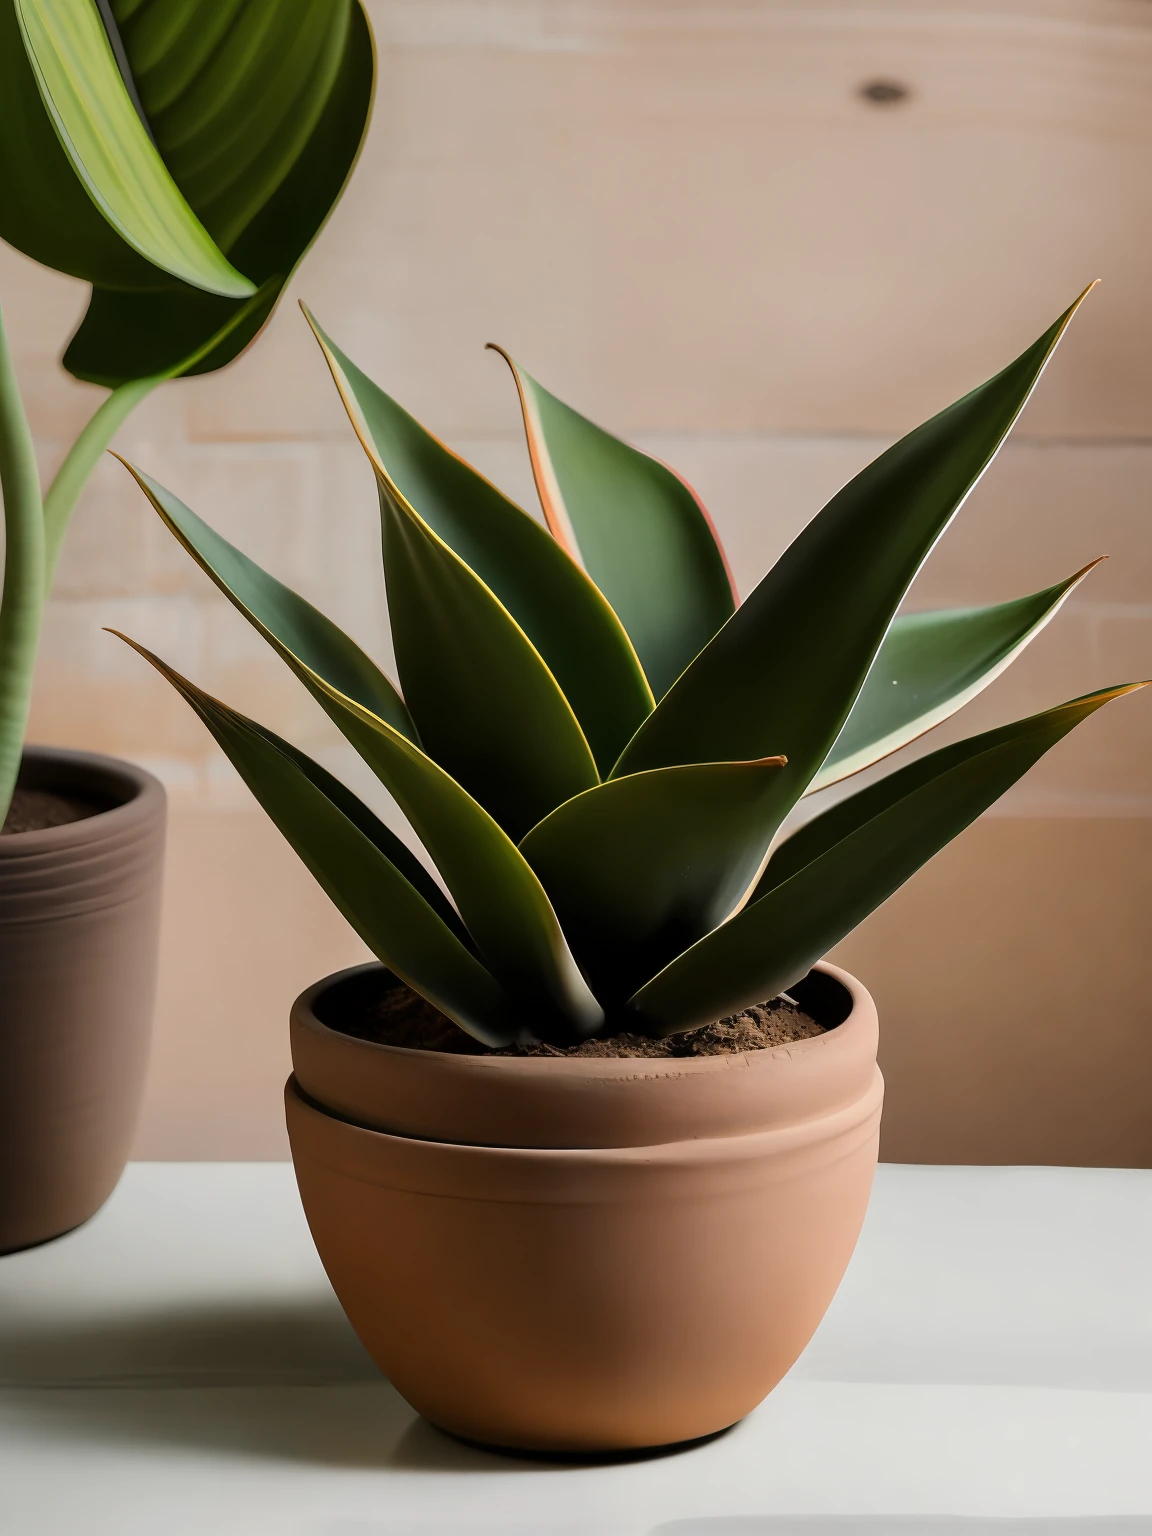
pixel 508 1101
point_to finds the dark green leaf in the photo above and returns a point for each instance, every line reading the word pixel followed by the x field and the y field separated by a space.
pixel 358 868
pixel 784 672
pixel 500 899
pixel 487 708
pixel 84 95
pixel 831 874
pixel 308 642
pixel 550 597
pixel 639 868
pixel 931 664
pixel 45 211
pixel 233 90
pixel 130 332
pixel 639 530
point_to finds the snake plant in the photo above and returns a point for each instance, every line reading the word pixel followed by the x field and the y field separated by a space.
pixel 597 745
pixel 179 156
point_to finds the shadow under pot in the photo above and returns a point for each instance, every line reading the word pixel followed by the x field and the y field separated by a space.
pixel 584 1254
pixel 79 926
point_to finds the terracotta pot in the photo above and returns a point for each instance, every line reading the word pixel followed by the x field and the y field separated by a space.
pixel 586 1255
pixel 79 912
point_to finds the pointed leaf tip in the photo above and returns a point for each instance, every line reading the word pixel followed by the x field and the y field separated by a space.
pixel 544 602
pixel 636 526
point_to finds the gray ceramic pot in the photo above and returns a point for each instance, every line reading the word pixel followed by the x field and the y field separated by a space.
pixel 79 917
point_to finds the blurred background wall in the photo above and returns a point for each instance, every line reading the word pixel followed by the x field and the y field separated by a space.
pixel 761 240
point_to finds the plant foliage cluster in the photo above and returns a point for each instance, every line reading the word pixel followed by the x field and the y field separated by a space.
pixel 596 746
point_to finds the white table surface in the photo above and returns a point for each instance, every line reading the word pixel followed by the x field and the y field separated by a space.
pixel 180 1366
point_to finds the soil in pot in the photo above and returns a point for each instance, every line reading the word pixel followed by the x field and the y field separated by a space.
pixel 33 810
pixel 395 1015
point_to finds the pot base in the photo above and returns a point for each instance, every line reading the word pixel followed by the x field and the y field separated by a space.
pixel 588 1458
pixel 40 1242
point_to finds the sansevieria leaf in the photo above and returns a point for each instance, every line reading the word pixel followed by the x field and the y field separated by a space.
pixel 110 150
pixel 640 867
pixel 929 666
pixel 784 672
pixel 354 858
pixel 831 873
pixel 639 530
pixel 556 605
pixel 502 903
pixel 308 642
pixel 486 706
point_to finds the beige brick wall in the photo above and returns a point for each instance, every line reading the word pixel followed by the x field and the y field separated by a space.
pixel 683 218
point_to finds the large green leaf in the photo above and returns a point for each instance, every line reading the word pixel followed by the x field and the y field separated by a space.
pixel 500 899
pixel 382 892
pixel 784 672
pixel 259 112
pixel 640 531
pixel 82 91
pixel 931 664
pixel 233 90
pixel 486 706
pixel 639 868
pixel 308 641
pixel 45 211
pixel 828 876
pixel 560 610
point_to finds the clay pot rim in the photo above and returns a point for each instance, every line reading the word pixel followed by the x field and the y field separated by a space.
pixel 860 1013
pixel 144 794
pixel 434 1157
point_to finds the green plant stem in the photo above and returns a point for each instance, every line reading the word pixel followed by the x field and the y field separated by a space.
pixel 72 476
pixel 22 599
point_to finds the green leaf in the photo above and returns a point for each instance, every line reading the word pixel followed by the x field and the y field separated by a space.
pixel 639 530
pixel 931 664
pixel 22 597
pixel 109 148
pixel 233 90
pixel 833 872
pixel 784 672
pixel 130 332
pixel 487 708
pixel 382 892
pixel 639 868
pixel 45 211
pixel 500 899
pixel 310 643
pixel 560 610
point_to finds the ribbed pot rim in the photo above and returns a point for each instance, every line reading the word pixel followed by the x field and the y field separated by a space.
pixel 66 769
pixel 848 1120
pixel 859 1003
